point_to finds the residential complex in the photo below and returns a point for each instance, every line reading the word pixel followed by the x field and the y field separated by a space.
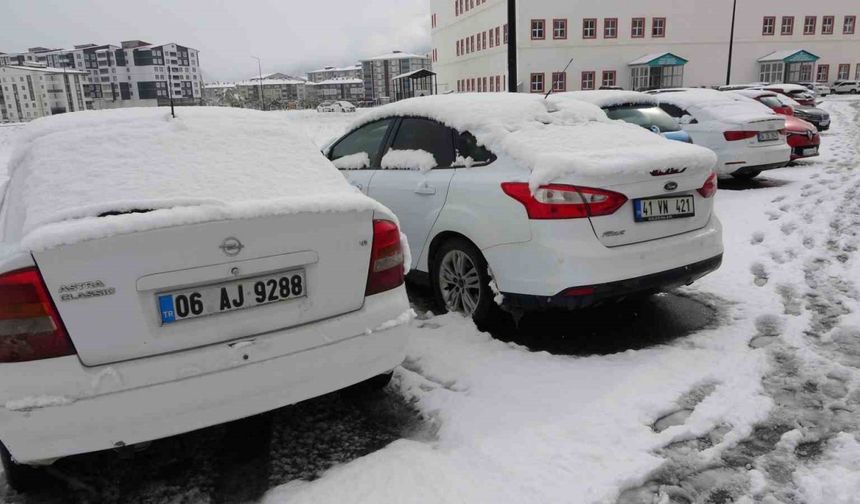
pixel 380 72
pixel 135 73
pixel 641 45
pixel 279 91
pixel 332 73
pixel 33 90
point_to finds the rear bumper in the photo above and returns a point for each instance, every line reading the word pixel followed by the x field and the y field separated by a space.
pixel 746 170
pixel 655 282
pixel 741 159
pixel 250 382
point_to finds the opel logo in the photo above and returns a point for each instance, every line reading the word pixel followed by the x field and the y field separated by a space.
pixel 670 186
pixel 231 247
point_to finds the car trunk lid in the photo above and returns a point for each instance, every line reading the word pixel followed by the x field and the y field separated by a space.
pixel 110 291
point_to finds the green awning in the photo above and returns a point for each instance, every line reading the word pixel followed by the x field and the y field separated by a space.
pixel 659 60
pixel 790 56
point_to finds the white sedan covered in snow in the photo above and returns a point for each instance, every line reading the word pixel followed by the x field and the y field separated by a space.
pixel 530 203
pixel 336 106
pixel 747 137
pixel 190 272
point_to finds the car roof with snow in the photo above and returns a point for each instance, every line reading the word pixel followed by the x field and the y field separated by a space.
pixel 552 138
pixel 606 98
pixel 713 105
pixel 143 169
pixel 754 93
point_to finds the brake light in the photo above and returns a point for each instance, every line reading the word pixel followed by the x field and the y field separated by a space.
pixel 386 258
pixel 557 201
pixel 733 136
pixel 30 327
pixel 710 187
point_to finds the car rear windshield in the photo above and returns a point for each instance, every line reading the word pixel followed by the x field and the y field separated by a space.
pixel 647 116
pixel 771 101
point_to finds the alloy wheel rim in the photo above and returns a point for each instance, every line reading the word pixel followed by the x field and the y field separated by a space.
pixel 459 282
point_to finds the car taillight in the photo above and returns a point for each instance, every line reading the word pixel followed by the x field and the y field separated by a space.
pixel 733 136
pixel 30 327
pixel 710 187
pixel 557 201
pixel 386 258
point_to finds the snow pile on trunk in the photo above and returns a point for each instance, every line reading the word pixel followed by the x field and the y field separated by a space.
pixel 709 104
pixel 608 98
pixel 420 160
pixel 207 164
pixel 552 138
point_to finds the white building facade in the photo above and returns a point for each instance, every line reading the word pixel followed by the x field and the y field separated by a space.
pixel 333 73
pixel 379 73
pixel 642 45
pixel 32 91
pixel 134 74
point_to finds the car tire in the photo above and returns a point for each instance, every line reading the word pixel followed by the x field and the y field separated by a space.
pixel 747 175
pixel 456 264
pixel 21 478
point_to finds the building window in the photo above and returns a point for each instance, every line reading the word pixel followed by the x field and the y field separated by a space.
pixel 809 23
pixel 857 72
pixel 658 27
pixel 537 83
pixel 492 39
pixel 772 73
pixel 484 40
pixel 506 33
pixel 608 78
pixel 457 8
pixel 498 40
pixel 823 73
pixel 457 52
pixel 827 23
pixel 538 27
pixel 787 27
pixel 848 25
pixel 559 82
pixel 610 28
pixel 587 81
pixel 559 29
pixel 589 28
pixel 637 28
pixel 844 72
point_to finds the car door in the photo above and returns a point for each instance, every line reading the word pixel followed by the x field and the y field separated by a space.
pixel 410 182
pixel 357 154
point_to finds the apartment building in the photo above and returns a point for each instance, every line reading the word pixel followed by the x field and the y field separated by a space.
pixel 380 71
pixel 341 88
pixel 278 93
pixel 133 74
pixel 34 90
pixel 641 45
pixel 333 73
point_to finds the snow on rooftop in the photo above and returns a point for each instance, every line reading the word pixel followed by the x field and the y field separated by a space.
pixel 551 138
pixel 271 82
pixel 336 69
pixel 715 105
pixel 207 164
pixel 336 81
pixel 395 55
pixel 220 85
pixel 46 69
pixel 608 98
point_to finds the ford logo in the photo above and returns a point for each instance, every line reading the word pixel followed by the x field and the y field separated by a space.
pixel 231 247
pixel 670 186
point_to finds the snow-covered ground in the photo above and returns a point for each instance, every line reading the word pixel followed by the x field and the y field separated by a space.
pixel 757 402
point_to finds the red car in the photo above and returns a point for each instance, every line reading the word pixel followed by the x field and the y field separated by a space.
pixel 802 136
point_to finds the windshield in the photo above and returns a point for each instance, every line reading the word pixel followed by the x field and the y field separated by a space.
pixel 771 101
pixel 647 116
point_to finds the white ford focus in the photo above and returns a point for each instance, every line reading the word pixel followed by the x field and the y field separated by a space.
pixel 533 203
pixel 162 275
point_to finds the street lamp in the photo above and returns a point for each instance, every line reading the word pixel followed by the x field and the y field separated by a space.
pixel 731 43
pixel 260 70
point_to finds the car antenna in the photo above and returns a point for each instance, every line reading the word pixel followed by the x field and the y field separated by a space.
pixel 551 86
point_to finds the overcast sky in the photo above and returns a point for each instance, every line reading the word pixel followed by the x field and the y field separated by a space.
pixel 290 36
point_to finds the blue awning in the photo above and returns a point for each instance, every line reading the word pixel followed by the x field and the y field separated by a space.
pixel 659 60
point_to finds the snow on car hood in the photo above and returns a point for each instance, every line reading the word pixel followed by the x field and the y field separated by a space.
pixel 553 138
pixel 207 164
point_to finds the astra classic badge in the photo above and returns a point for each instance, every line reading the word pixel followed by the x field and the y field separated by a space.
pixel 231 246
pixel 85 290
pixel 667 171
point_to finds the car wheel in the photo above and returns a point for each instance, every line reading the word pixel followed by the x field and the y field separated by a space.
pixel 20 477
pixel 853 91
pixel 746 175
pixel 461 283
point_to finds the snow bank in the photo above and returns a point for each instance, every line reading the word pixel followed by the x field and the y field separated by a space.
pixel 835 478
pixel 207 164
pixel 709 104
pixel 420 160
pixel 552 138
pixel 608 98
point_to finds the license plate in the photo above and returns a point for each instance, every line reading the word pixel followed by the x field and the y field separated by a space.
pixel 231 296
pixel 657 209
pixel 810 151
pixel 768 136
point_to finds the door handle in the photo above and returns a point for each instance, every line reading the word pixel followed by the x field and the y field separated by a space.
pixel 425 189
